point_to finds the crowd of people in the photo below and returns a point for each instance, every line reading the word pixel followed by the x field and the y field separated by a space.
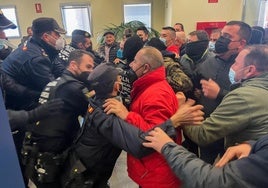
pixel 189 109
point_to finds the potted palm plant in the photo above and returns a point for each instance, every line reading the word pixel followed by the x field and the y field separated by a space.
pixel 118 30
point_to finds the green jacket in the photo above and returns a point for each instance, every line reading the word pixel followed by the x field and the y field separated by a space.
pixel 241 116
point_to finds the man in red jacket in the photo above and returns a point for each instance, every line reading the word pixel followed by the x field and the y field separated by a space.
pixel 153 102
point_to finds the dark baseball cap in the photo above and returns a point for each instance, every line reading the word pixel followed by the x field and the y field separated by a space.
pixel 108 32
pixel 102 78
pixel 81 33
pixel 42 25
pixel 6 23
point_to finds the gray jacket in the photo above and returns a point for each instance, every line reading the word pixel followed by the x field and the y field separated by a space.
pixel 241 116
pixel 248 172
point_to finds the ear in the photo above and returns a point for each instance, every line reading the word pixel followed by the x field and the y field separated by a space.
pixel 73 65
pixel 45 37
pixel 80 45
pixel 243 43
pixel 116 86
pixel 147 68
pixel 252 71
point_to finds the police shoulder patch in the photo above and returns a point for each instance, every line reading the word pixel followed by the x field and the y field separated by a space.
pixel 90 109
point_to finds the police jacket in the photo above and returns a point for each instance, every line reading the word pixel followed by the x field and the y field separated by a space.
pixel 242 115
pixel 56 133
pixel 31 66
pixel 248 172
pixel 64 55
pixel 94 150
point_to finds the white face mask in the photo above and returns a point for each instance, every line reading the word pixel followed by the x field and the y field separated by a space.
pixel 211 46
pixel 163 40
pixel 60 43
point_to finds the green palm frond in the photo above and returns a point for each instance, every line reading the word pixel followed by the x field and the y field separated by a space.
pixel 119 30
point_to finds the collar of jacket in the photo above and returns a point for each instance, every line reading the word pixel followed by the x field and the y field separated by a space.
pixel 262 78
pixel 231 59
pixel 147 80
pixel 50 51
pixel 204 55
pixel 68 74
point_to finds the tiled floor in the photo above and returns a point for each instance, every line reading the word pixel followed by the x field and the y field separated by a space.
pixel 119 177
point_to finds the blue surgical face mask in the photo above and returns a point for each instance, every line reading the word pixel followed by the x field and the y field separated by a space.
pixel 211 46
pixel 119 53
pixel 232 76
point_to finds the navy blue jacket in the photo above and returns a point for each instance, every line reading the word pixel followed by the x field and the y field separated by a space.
pixel 30 65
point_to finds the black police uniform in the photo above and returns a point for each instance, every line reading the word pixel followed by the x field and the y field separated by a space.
pixel 64 54
pixel 29 65
pixel 55 134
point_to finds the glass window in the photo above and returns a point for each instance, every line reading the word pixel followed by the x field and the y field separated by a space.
pixel 263 15
pixel 76 16
pixel 139 12
pixel 10 13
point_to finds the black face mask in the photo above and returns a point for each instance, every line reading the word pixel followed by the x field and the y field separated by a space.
pixel 128 77
pixel 221 45
pixel 83 77
pixel 195 50
pixel 89 49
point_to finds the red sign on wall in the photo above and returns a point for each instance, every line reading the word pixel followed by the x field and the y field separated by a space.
pixel 209 26
pixel 38 8
pixel 212 1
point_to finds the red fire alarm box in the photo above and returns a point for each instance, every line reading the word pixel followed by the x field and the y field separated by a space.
pixel 38 8
pixel 209 26
pixel 212 1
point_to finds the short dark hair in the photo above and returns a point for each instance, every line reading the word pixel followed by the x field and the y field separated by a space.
pixel 144 29
pixel 200 34
pixel 182 27
pixel 169 28
pixel 244 31
pixel 77 39
pixel 257 56
pixel 76 55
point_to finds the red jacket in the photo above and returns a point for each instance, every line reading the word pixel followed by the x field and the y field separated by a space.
pixel 153 102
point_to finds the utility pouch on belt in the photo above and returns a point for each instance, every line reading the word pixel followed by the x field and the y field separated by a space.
pixel 42 167
pixel 72 175
pixel 29 154
pixel 48 167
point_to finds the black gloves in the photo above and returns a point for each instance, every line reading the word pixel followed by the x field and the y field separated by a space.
pixel 52 107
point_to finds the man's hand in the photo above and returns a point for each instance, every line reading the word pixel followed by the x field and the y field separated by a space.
pixel 157 138
pixel 188 114
pixel 113 106
pixel 234 152
pixel 210 88
pixel 52 107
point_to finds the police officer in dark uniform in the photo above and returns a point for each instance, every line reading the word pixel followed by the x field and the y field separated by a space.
pixel 80 40
pixel 31 64
pixel 52 136
pixel 95 151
